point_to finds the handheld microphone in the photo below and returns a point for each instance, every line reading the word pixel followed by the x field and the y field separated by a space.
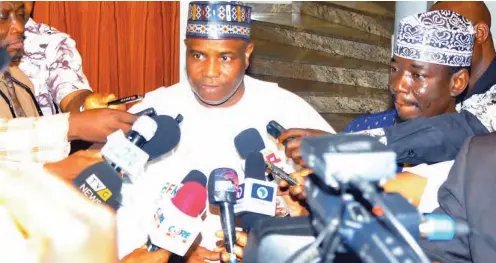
pixel 124 153
pixel 176 223
pixel 222 186
pixel 275 130
pixel 143 130
pixel 131 159
pixel 101 184
pixel 249 141
pixel 166 138
pixel 256 197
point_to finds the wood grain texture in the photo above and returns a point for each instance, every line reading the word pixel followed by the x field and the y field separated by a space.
pixel 127 47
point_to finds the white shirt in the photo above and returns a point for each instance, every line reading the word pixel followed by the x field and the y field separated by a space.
pixel 207 142
pixel 435 174
pixel 53 64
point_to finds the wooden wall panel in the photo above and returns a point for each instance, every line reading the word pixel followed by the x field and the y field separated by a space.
pixel 127 47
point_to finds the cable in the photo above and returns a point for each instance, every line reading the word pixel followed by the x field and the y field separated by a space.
pixel 302 257
pixel 371 195
pixel 332 243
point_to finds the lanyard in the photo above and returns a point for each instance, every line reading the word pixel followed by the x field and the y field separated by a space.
pixel 28 90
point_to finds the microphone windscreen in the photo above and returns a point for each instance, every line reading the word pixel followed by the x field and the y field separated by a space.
pixel 195 176
pixel 255 166
pixel 248 141
pixel 166 137
pixel 191 199
pixel 100 182
pixel 218 179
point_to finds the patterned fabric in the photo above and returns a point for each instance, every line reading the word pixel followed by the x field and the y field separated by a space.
pixel 371 121
pixel 218 20
pixel 441 37
pixel 38 139
pixel 483 107
pixel 53 64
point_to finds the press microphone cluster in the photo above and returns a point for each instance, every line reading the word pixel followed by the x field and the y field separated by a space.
pixel 102 182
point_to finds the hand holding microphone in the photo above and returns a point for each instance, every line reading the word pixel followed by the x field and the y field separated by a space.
pixel 241 240
pixel 222 188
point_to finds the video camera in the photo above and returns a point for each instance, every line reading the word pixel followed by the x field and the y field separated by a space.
pixel 351 218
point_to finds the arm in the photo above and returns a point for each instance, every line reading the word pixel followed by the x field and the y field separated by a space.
pixel 35 139
pixel 430 140
pixel 66 80
pixel 451 198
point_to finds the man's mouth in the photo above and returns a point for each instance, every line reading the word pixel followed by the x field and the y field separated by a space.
pixel 209 88
pixel 404 102
pixel 16 44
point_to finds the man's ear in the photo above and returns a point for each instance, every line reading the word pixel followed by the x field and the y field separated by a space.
pixel 248 51
pixel 459 82
pixel 481 33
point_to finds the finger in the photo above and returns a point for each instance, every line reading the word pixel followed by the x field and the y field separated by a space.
pixel 283 184
pixel 296 154
pixel 225 257
pixel 290 147
pixel 219 234
pixel 238 251
pixel 108 98
pixel 97 154
pixel 126 117
pixel 291 133
pixel 295 190
pixel 211 255
pixel 160 255
pixel 241 238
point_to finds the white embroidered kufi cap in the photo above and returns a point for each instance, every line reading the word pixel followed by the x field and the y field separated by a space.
pixel 440 37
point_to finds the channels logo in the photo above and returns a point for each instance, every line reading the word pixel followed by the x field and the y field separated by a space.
pixel 262 192
pixel 101 190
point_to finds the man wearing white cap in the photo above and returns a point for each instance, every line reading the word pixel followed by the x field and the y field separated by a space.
pixel 218 102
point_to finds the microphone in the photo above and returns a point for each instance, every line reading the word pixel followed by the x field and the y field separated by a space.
pixel 101 184
pixel 176 222
pixel 124 153
pixel 166 138
pixel 249 141
pixel 222 186
pixel 129 157
pixel 143 130
pixel 256 197
pixel 195 176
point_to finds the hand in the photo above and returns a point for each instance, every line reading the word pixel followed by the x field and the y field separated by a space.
pixel 293 207
pixel 142 255
pixel 410 186
pixel 241 240
pixel 200 254
pixel 69 168
pixel 95 125
pixel 98 101
pixel 297 192
pixel 293 147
